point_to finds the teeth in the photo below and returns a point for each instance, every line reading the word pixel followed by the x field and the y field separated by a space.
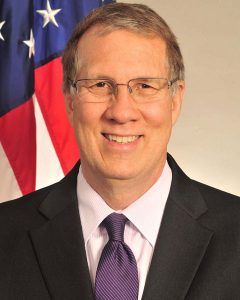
pixel 121 139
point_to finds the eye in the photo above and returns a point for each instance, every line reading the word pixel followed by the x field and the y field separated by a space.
pixel 100 87
pixel 102 84
pixel 144 86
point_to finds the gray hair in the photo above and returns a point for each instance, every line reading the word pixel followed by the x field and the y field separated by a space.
pixel 136 18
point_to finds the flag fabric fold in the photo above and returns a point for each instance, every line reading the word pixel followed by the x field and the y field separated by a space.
pixel 33 35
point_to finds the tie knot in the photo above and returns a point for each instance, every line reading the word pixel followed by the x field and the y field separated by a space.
pixel 114 224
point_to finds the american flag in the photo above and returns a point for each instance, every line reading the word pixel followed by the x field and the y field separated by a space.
pixel 37 146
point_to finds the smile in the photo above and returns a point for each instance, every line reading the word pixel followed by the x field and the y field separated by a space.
pixel 121 139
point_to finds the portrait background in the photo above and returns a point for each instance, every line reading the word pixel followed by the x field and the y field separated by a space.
pixel 206 138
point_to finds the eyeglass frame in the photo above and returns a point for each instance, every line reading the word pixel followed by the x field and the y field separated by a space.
pixel 115 84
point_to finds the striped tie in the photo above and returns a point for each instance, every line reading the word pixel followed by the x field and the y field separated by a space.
pixel 117 275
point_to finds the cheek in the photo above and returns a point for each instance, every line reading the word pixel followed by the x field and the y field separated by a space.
pixel 86 123
pixel 158 119
pixel 158 115
pixel 84 115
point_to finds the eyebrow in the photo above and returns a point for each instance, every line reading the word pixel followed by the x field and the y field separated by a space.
pixel 106 77
pixel 102 76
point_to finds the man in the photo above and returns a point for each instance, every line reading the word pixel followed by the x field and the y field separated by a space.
pixel 123 84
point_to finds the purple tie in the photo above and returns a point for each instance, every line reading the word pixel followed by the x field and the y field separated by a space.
pixel 117 275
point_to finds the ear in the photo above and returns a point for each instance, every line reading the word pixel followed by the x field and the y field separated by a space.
pixel 177 99
pixel 69 107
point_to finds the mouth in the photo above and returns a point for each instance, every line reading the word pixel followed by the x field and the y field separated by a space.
pixel 121 139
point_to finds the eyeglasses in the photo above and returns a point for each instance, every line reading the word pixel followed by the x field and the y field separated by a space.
pixel 141 89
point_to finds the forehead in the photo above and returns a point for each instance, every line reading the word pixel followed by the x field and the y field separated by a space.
pixel 103 49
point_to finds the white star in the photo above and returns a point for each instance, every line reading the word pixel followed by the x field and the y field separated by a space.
pixel 30 43
pixel 49 15
pixel 1 25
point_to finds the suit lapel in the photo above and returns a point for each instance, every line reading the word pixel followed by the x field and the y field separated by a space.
pixel 59 244
pixel 180 247
pixel 181 243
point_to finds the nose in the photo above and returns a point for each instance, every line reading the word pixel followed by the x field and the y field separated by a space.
pixel 122 84
pixel 122 108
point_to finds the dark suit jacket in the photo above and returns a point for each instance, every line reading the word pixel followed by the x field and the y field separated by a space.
pixel 197 254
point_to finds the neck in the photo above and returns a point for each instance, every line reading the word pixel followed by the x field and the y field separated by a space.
pixel 119 194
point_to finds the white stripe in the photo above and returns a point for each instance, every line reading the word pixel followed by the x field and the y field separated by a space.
pixel 48 166
pixel 9 188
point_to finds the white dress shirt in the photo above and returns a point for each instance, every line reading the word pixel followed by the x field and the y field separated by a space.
pixel 145 215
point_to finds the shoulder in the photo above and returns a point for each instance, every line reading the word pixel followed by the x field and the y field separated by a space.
pixel 26 205
pixel 198 198
pixel 18 216
pixel 217 198
pixel 223 209
pixel 23 205
pixel 22 212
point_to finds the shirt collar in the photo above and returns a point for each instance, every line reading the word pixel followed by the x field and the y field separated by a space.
pixel 93 209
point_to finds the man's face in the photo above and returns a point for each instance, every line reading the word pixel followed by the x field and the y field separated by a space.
pixel 122 55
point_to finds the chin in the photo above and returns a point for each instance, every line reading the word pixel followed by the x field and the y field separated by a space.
pixel 119 173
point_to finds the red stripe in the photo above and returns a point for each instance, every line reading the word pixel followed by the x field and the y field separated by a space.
pixel 18 138
pixel 48 82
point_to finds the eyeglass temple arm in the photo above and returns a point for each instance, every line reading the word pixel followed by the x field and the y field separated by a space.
pixel 171 82
pixel 72 82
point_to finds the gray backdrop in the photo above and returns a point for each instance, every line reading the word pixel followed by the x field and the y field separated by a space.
pixel 206 139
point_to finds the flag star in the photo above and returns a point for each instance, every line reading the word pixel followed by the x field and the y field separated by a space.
pixel 49 15
pixel 1 25
pixel 30 43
